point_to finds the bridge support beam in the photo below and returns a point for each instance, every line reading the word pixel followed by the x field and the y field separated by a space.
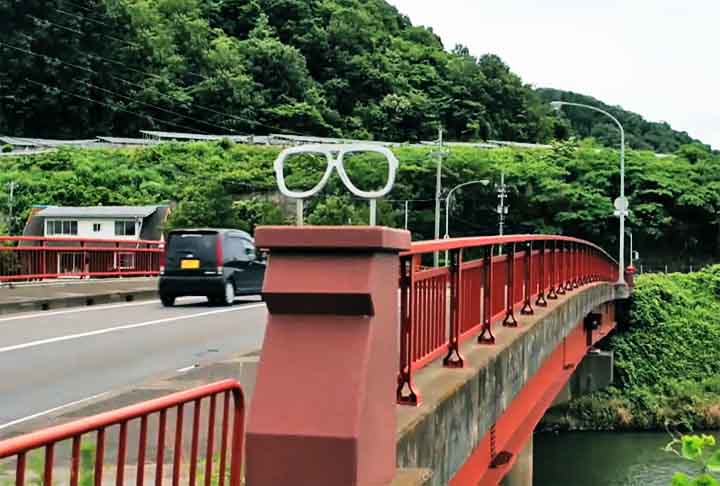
pixel 323 410
pixel 521 473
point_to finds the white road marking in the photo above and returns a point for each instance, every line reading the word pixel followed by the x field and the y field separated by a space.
pixel 98 332
pixel 79 309
pixel 40 414
pixel 90 308
pixel 187 368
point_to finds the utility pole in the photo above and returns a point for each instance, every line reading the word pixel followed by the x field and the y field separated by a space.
pixel 438 191
pixel 11 203
pixel 406 214
pixel 502 209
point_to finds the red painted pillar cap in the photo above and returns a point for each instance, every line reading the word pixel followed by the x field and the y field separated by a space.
pixel 373 238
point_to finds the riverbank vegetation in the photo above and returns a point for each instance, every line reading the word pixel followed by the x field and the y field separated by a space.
pixel 667 361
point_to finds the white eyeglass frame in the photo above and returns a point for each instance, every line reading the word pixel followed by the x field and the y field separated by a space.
pixel 335 162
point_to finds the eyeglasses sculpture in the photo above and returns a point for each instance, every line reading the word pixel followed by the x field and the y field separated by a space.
pixel 335 156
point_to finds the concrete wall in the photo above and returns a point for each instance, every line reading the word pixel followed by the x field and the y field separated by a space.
pixel 461 405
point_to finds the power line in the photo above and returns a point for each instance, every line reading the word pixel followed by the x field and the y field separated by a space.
pixel 170 112
pixel 131 83
pixel 206 78
pixel 107 105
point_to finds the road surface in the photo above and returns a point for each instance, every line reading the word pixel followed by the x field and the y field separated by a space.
pixel 55 359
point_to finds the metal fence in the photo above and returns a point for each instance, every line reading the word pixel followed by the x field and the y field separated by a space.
pixel 112 459
pixel 26 258
pixel 442 307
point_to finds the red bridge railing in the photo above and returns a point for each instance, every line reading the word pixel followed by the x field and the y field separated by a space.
pixel 223 398
pixel 443 307
pixel 37 258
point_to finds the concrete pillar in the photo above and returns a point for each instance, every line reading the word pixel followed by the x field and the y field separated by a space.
pixel 323 410
pixel 521 473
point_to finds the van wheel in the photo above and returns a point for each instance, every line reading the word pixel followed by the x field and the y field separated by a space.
pixel 167 301
pixel 229 293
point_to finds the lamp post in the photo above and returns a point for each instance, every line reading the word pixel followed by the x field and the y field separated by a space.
pixel 438 190
pixel 484 182
pixel 621 203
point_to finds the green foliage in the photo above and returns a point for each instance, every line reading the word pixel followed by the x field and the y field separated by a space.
pixel 7 149
pixel 35 467
pixel 701 450
pixel 320 67
pixel 567 189
pixel 640 133
pixel 667 369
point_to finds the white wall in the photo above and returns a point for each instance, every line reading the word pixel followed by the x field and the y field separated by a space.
pixel 107 228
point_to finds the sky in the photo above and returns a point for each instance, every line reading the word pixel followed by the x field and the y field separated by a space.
pixel 658 58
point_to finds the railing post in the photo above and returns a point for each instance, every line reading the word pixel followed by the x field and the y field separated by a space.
pixel 575 265
pixel 510 320
pixel 407 315
pixel 554 272
pixel 562 269
pixel 454 359
pixel 324 404
pixel 527 309
pixel 487 298
pixel 541 302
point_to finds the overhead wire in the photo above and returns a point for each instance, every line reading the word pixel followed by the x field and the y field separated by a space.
pixel 139 71
pixel 138 85
pixel 109 106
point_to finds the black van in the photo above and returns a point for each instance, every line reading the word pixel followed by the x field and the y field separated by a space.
pixel 216 263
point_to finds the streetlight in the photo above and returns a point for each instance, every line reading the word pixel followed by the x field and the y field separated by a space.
pixel 621 203
pixel 438 189
pixel 484 182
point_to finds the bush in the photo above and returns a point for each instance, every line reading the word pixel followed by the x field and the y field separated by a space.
pixel 7 149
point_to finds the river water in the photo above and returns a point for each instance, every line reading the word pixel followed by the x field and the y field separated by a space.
pixel 605 459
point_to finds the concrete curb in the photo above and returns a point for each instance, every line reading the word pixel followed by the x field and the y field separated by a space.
pixel 65 302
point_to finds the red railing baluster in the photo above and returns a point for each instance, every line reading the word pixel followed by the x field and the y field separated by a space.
pixel 487 312
pixel 210 449
pixel 527 284
pixel 120 472
pixel 99 456
pixel 194 442
pixel 510 320
pixel 541 301
pixel 49 463
pixel 75 461
pixel 142 445
pixel 454 359
pixel 177 459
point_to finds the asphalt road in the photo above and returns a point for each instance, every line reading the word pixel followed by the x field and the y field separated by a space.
pixel 55 359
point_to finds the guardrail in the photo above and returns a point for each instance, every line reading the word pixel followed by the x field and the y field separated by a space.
pixel 213 469
pixel 37 258
pixel 440 308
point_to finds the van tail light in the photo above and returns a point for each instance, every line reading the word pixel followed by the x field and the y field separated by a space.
pixel 219 254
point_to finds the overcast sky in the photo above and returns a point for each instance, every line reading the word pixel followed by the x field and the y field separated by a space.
pixel 659 58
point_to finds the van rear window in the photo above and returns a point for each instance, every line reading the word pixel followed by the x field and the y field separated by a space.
pixel 199 245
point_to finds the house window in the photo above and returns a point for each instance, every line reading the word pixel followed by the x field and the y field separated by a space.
pixel 62 228
pixel 97 227
pixel 124 228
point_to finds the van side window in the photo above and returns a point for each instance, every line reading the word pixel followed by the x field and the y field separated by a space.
pixel 236 250
pixel 249 250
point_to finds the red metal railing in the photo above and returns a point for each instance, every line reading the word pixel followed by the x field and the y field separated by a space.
pixel 213 469
pixel 36 258
pixel 443 307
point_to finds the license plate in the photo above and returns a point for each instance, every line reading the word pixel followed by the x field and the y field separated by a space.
pixel 190 264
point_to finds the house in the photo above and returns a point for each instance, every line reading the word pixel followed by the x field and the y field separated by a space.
pixel 129 223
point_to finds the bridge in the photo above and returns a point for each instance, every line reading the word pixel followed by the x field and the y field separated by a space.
pixel 376 367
